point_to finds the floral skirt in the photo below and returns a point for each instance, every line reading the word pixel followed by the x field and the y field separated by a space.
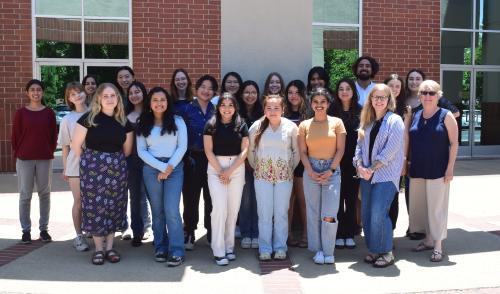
pixel 103 184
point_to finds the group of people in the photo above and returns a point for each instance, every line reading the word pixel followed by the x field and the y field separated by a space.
pixel 256 159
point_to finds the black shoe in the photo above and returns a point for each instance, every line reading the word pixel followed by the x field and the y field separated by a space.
pixel 26 238
pixel 175 261
pixel 160 257
pixel 45 237
pixel 136 241
pixel 189 240
pixel 416 236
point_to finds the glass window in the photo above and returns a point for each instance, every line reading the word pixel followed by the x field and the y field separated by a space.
pixel 59 7
pixel 456 87
pixel 55 78
pixel 108 8
pixel 487 108
pixel 487 48
pixel 104 74
pixel 487 16
pixel 58 38
pixel 456 47
pixel 106 39
pixel 456 14
pixel 336 11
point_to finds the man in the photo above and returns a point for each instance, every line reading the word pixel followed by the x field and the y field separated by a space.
pixel 364 68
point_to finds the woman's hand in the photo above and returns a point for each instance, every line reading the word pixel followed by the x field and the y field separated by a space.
pixel 224 176
pixel 314 175
pixel 365 173
pixel 448 175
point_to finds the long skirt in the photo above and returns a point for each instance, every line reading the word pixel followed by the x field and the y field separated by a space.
pixel 103 184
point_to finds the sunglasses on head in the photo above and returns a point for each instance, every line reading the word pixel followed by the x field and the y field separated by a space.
pixel 430 93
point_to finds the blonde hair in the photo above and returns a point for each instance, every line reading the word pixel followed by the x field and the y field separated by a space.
pixel 368 113
pixel 432 85
pixel 75 86
pixel 95 106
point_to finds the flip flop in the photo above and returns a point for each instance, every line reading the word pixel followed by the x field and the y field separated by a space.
pixel 422 247
pixel 436 256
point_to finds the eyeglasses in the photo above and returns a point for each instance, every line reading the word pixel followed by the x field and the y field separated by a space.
pixel 430 93
pixel 380 98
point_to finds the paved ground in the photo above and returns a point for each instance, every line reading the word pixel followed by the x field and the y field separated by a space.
pixel 472 264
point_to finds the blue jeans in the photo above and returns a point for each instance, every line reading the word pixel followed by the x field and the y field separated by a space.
pixel 164 197
pixel 273 201
pixel 322 201
pixel 376 201
pixel 248 209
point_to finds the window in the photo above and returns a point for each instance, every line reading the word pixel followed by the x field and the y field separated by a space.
pixel 336 36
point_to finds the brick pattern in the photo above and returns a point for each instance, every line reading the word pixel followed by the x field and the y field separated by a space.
pixel 402 35
pixel 15 69
pixel 169 34
pixel 13 252
pixel 278 277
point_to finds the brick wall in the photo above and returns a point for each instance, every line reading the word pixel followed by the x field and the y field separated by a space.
pixel 402 35
pixel 15 69
pixel 170 34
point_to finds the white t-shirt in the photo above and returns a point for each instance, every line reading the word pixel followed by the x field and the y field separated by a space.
pixel 363 93
pixel 66 129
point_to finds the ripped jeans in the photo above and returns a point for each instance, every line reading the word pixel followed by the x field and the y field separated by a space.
pixel 322 201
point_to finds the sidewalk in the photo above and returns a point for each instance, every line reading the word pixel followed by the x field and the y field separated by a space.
pixel 472 264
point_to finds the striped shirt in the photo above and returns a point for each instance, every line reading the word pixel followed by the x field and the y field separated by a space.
pixel 388 149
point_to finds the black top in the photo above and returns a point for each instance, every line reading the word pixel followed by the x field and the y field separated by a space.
pixel 351 124
pixel 108 136
pixel 226 141
pixel 373 136
pixel 295 117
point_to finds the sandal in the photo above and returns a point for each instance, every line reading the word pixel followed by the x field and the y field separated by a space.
pixel 292 242
pixel 98 258
pixel 112 256
pixel 422 247
pixel 436 256
pixel 384 260
pixel 370 258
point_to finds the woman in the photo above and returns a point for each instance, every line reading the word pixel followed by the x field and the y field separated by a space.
pixel 181 89
pixel 89 83
pixel 297 110
pixel 273 154
pixel 250 111
pixel 274 85
pixel 76 100
pixel 317 77
pixel 433 150
pixel 34 140
pixel 108 138
pixel 321 143
pixel 140 220
pixel 196 114
pixel 226 144
pixel 379 160
pixel 124 77
pixel 346 107
pixel 231 82
pixel 161 144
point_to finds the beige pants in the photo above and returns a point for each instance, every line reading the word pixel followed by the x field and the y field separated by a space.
pixel 429 207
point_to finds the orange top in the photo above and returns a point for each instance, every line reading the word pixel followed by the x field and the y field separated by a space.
pixel 321 137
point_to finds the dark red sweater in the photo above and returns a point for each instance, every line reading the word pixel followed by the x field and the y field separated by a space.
pixel 34 134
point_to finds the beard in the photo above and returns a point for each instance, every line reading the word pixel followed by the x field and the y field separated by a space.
pixel 364 76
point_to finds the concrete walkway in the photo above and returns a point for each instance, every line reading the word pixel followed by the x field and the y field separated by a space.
pixel 472 264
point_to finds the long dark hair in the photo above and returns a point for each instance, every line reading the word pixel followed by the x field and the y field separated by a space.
pixel 401 98
pixel 354 107
pixel 173 87
pixel 419 71
pixel 268 81
pixel 322 74
pixel 257 110
pixel 146 120
pixel 264 121
pixel 303 107
pixel 130 107
pixel 240 83
pixel 217 118
pixel 119 69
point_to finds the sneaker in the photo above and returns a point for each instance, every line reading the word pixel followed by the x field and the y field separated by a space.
pixel 237 232
pixel 45 237
pixel 231 256
pixel 80 243
pixel 329 259
pixel 280 254
pixel 175 261
pixel 126 235
pixel 340 243
pixel 87 235
pixel 349 243
pixel 319 258
pixel 160 257
pixel 26 238
pixel 147 234
pixel 221 260
pixel 246 243
pixel 136 241
pixel 264 256
pixel 189 241
pixel 255 243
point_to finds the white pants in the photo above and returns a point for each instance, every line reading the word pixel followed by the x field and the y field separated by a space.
pixel 226 201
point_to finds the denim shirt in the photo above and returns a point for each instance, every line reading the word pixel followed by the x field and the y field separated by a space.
pixel 195 122
pixel 388 149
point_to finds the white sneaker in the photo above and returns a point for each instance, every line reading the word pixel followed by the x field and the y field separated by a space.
pixel 319 258
pixel 80 243
pixel 340 243
pixel 246 243
pixel 147 234
pixel 264 256
pixel 280 255
pixel 221 260
pixel 349 243
pixel 127 234
pixel 255 243
pixel 231 256
pixel 329 259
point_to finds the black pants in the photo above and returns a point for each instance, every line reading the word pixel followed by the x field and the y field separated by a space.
pixel 195 179
pixel 394 210
pixel 135 184
pixel 349 187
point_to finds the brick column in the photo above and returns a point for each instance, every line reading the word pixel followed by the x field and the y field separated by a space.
pixel 402 35
pixel 15 69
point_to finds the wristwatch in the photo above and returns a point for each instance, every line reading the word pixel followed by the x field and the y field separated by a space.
pixel 333 170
